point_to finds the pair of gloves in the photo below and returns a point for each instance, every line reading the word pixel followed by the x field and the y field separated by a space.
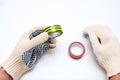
pixel 105 45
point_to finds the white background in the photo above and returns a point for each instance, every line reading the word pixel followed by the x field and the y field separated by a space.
pixel 17 16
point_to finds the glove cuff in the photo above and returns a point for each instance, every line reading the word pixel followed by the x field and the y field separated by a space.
pixel 111 64
pixel 15 67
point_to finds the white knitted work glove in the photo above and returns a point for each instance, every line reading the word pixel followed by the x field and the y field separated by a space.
pixel 106 47
pixel 26 53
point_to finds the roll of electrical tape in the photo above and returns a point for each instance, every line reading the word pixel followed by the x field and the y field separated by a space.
pixel 53 31
pixel 79 44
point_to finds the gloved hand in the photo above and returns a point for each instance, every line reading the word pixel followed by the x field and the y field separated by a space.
pixel 106 47
pixel 26 53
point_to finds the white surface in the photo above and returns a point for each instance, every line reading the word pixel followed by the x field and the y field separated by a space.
pixel 17 16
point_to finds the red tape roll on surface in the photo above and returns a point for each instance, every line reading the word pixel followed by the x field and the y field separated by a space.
pixel 72 54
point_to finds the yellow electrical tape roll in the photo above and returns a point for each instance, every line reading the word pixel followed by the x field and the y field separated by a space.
pixel 54 31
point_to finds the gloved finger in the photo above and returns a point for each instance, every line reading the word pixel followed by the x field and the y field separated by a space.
pixel 94 40
pixel 41 38
pixel 53 43
pixel 29 32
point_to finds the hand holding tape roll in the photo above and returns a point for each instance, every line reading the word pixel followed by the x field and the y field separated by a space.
pixel 29 49
pixel 53 32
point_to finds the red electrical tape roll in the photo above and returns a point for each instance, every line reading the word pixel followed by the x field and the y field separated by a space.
pixel 73 55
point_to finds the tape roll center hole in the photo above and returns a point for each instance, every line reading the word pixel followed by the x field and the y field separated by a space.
pixel 76 49
pixel 54 34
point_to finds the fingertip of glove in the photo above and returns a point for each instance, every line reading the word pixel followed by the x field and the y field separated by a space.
pixel 53 40
pixel 87 35
pixel 85 32
pixel 52 46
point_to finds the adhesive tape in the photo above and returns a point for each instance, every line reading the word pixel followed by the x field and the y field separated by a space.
pixel 53 31
pixel 78 44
